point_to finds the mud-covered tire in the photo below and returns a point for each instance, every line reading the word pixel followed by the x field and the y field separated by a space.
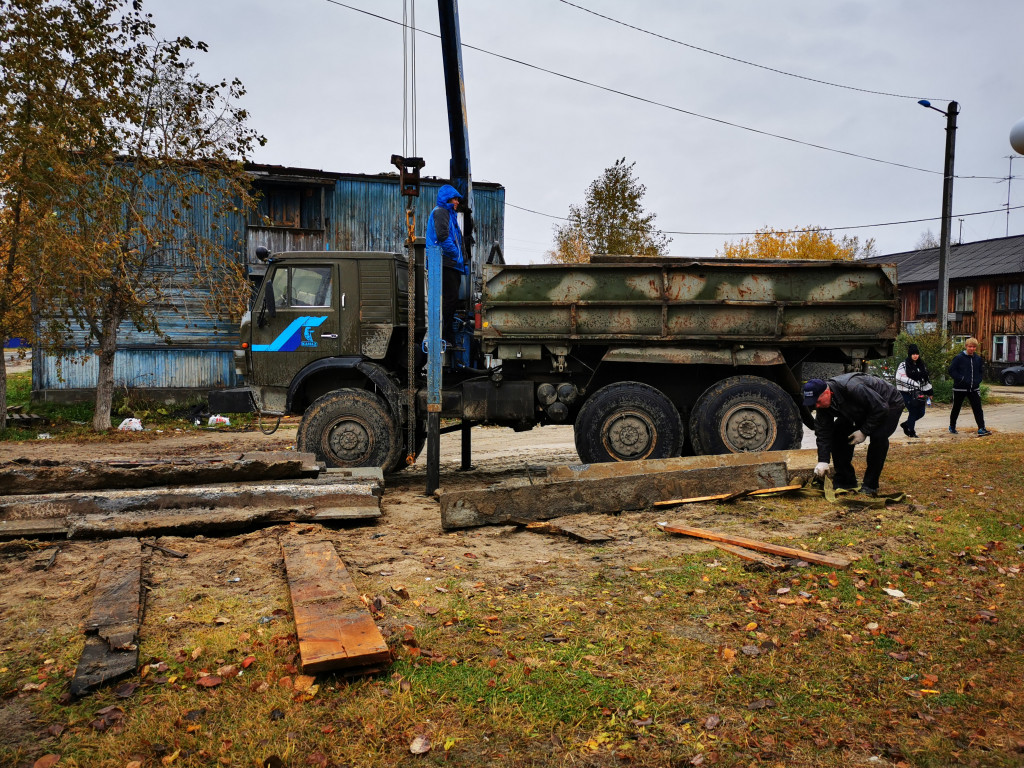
pixel 742 414
pixel 351 428
pixel 628 421
pixel 1009 378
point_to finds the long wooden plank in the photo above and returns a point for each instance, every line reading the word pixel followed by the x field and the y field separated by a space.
pixel 761 546
pixel 756 557
pixel 24 477
pixel 111 648
pixel 526 503
pixel 725 496
pixel 335 630
pixel 797 461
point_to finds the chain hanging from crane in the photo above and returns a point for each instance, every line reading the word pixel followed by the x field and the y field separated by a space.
pixel 409 184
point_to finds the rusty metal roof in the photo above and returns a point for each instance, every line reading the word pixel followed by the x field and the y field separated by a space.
pixel 984 258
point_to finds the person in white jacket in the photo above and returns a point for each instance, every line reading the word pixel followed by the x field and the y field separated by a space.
pixel 912 382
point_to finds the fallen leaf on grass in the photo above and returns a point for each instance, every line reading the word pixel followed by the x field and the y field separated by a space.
pixel 728 654
pixel 471 556
pixel 893 592
pixel 420 745
pixel 430 610
pixel 303 682
pixel 247 661
pixel 55 730
pixel 46 761
pixel 712 722
pixel 209 681
pixel 751 650
pixel 169 759
pixel 761 704
pixel 228 671
pixel 197 652
pixel 642 723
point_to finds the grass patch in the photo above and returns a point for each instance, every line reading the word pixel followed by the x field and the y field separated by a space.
pixel 651 665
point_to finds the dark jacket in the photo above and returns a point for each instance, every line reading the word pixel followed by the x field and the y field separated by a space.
pixel 862 400
pixel 443 229
pixel 967 372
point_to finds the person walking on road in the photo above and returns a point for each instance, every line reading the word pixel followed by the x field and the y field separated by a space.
pixel 850 409
pixel 912 383
pixel 967 370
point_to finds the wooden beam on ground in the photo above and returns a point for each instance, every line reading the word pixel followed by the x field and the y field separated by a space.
pixel 772 563
pixel 761 546
pixel 47 476
pixel 526 503
pixel 334 628
pixel 800 463
pixel 111 647
pixel 728 496
pixel 579 534
pixel 350 495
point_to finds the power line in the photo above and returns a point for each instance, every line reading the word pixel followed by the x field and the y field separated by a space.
pixel 652 102
pixel 739 61
pixel 789 231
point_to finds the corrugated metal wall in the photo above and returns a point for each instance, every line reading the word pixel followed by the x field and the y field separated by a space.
pixel 363 213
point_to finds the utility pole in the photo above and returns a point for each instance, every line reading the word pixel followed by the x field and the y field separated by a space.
pixel 942 308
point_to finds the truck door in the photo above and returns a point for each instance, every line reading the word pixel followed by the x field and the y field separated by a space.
pixel 309 304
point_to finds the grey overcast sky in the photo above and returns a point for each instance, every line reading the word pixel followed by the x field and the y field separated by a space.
pixel 325 86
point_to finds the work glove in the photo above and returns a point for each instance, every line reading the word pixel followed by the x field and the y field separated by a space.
pixel 857 438
pixel 820 468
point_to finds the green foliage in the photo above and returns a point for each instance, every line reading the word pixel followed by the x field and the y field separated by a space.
pixel 612 221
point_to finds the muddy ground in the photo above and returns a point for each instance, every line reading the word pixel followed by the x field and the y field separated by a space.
pixel 406 546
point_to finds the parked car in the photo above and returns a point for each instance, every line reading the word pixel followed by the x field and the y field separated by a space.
pixel 1013 375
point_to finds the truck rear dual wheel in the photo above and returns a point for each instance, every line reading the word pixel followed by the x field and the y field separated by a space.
pixel 628 421
pixel 352 428
pixel 742 414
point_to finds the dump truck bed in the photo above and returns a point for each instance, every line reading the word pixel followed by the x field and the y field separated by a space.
pixel 674 300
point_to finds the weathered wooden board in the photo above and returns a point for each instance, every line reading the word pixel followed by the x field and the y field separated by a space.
pixel 335 630
pixel 526 503
pixel 798 462
pixel 573 532
pixel 47 476
pixel 327 491
pixel 772 563
pixel 761 546
pixel 727 496
pixel 111 648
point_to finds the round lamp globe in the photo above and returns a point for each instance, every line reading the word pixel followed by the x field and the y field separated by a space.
pixel 1017 136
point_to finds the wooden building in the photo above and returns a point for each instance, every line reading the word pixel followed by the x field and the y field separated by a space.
pixel 986 294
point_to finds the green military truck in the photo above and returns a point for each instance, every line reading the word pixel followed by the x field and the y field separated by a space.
pixel 646 358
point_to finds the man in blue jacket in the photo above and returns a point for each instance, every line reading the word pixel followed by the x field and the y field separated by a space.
pixel 443 231
pixel 967 370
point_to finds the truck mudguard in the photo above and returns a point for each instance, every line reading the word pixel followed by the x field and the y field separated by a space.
pixel 377 375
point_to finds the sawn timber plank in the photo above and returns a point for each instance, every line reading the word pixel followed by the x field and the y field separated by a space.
pixel 335 630
pixel 762 546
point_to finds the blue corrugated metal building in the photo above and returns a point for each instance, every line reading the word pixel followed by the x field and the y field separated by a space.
pixel 299 209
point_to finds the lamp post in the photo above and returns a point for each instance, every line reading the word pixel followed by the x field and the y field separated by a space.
pixel 942 301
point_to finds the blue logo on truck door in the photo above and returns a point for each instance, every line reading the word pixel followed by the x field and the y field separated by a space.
pixel 298 333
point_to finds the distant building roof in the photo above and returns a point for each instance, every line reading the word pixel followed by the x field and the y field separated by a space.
pixel 984 258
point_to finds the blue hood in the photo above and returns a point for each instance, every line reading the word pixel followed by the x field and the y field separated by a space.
pixel 445 195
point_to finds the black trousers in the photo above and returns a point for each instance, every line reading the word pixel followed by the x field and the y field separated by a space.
pixel 878 449
pixel 915 409
pixel 451 280
pixel 958 400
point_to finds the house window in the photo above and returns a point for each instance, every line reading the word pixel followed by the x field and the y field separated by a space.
pixel 963 299
pixel 1001 297
pixel 926 303
pixel 1013 296
pixel 290 206
pixel 1007 349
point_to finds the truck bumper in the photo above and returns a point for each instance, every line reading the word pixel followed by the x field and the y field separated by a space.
pixel 237 400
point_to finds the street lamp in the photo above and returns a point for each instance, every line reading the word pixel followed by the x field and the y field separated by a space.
pixel 942 309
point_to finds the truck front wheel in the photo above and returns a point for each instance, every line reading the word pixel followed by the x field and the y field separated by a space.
pixel 742 414
pixel 628 421
pixel 351 428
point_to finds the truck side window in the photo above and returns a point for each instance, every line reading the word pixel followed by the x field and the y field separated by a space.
pixel 280 286
pixel 311 286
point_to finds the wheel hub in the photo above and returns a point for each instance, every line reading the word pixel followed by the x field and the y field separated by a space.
pixel 629 436
pixel 748 427
pixel 349 440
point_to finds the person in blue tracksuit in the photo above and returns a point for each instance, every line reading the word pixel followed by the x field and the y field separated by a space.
pixel 443 231
pixel 967 370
